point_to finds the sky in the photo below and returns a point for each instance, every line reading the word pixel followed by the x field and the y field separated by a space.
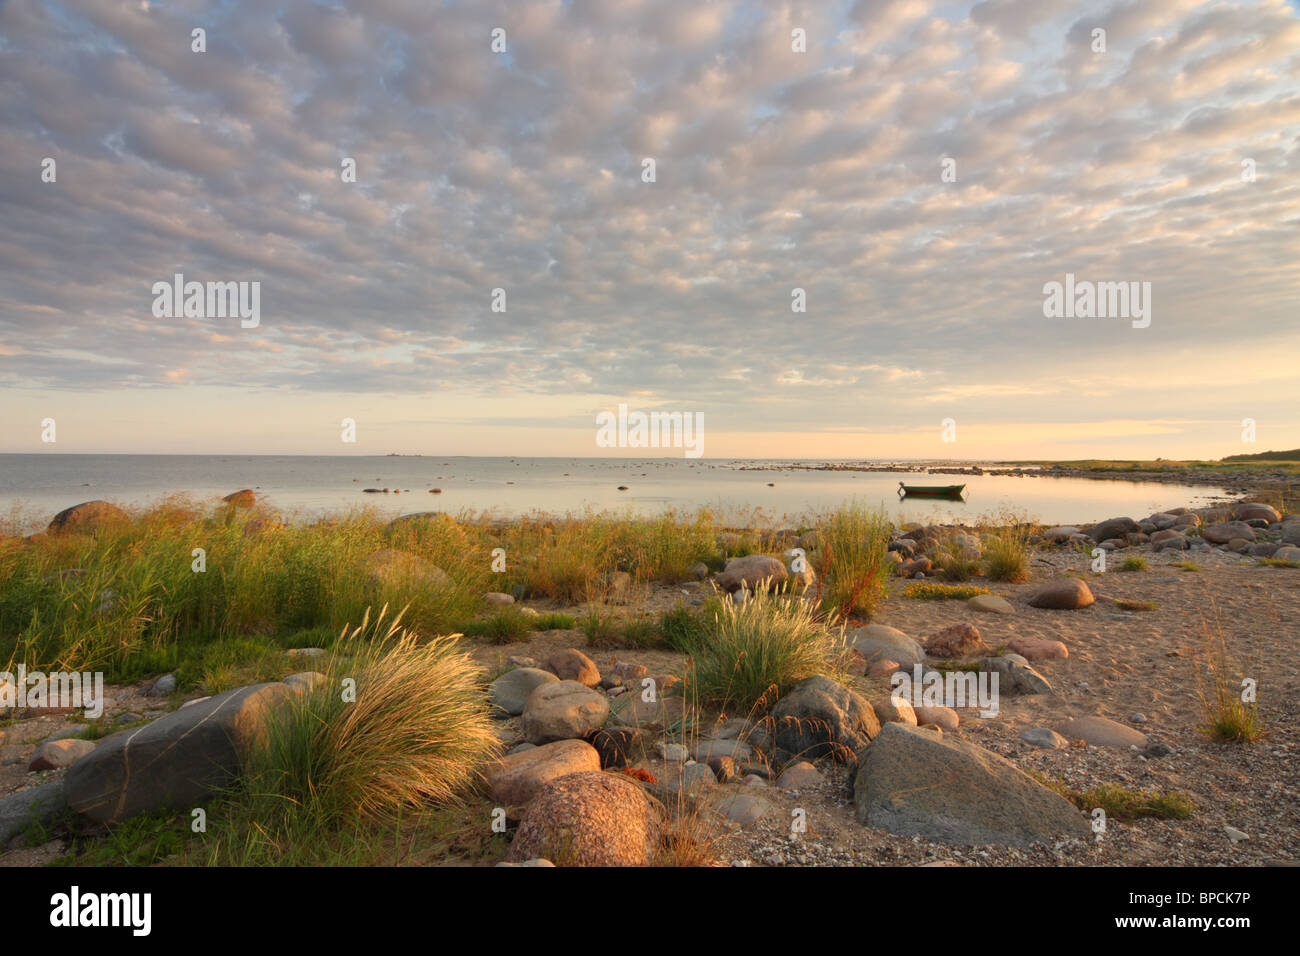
pixel 1170 157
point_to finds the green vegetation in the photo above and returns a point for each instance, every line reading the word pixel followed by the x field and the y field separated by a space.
pixel 853 567
pixel 1278 563
pixel 1132 563
pixel 1124 604
pixel 1186 566
pixel 1006 553
pixel 1228 707
pixel 417 735
pixel 1121 803
pixel 925 591
pixel 756 649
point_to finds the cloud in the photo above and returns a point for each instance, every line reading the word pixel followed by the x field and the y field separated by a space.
pixel 774 170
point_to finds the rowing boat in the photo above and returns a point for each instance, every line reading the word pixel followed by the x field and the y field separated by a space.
pixel 930 491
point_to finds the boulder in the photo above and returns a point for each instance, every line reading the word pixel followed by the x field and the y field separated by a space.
pixel 57 754
pixel 1287 553
pixel 389 567
pixel 1112 528
pixel 878 642
pixel 498 599
pixel 800 774
pixel 956 640
pixel 915 783
pixel 178 760
pixel 564 710
pixel 1038 648
pixel 1060 534
pixel 745 809
pixel 890 711
pixel 245 498
pixel 87 518
pixel 990 604
pixel 1015 676
pixel 509 693
pixel 939 716
pixel 1225 532
pixel 1063 594
pixel 662 713
pixel 589 819
pixel 1103 732
pixel 751 571
pixel 1044 739
pixel 515 779
pixel 914 567
pixel 33 805
pixel 820 717
pixel 1255 510
pixel 619 746
pixel 572 664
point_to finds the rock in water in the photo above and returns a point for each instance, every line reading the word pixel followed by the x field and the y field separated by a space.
pixel 87 517
pixel 820 717
pixel 916 783
pixel 589 819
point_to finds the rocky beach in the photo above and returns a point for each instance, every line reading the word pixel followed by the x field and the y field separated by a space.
pixel 1120 651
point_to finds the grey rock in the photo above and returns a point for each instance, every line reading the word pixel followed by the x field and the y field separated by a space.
pixel 821 718
pixel 913 782
pixel 33 805
pixel 509 693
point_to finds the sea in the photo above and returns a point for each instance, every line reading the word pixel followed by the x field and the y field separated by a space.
pixel 34 487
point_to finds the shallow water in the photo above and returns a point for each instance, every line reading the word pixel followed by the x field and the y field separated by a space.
pixel 39 486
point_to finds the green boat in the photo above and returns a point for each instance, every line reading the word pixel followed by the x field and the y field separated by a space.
pixel 930 491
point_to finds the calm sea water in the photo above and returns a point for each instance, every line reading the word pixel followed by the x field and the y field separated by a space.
pixel 35 487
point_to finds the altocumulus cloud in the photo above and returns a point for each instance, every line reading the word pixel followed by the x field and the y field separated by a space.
pixel 775 170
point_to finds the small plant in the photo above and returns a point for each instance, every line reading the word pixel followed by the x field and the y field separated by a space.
pixel 553 621
pixel 925 591
pixel 1123 804
pixel 1278 563
pixel 1229 717
pixel 760 647
pixel 956 564
pixel 1186 566
pixel 854 567
pixel 506 626
pixel 1124 604
pixel 1132 563
pixel 1006 554
pixel 599 626
pixel 682 628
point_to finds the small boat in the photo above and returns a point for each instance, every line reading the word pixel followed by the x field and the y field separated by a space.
pixel 930 491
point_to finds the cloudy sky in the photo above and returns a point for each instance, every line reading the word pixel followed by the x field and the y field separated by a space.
pixel 774 170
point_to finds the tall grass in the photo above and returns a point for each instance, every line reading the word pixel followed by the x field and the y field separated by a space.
pixel 1006 552
pixel 853 566
pixel 756 649
pixel 132 599
pixel 416 734
pixel 1219 687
